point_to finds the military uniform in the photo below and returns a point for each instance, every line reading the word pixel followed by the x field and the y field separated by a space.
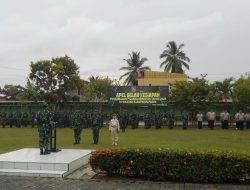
pixel 25 119
pixel 224 116
pixel 4 119
pixel 33 119
pixel 133 121
pixel 171 118
pixel 18 118
pixel 199 118
pixel 158 120
pixel 123 121
pixel 185 121
pixel 45 120
pixel 96 125
pixel 211 118
pixel 239 117
pixel 247 117
pixel 76 126
pixel 11 119
pixel 114 128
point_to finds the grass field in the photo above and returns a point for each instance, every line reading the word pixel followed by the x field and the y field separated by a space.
pixel 191 139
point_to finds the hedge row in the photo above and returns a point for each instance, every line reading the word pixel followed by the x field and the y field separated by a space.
pixel 172 165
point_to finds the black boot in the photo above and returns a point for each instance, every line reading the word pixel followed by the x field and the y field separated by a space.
pixel 46 152
pixel 41 151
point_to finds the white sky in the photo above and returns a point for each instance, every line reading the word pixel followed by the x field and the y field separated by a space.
pixel 98 34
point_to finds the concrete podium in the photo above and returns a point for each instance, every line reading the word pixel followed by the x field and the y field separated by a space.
pixel 29 162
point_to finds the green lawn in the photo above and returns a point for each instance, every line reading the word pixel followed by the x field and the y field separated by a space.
pixel 192 139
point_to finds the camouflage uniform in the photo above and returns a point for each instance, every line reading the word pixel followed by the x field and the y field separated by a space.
pixel 158 121
pixel 185 121
pixel 123 121
pixel 147 121
pixel 18 118
pixel 133 120
pixel 45 120
pixel 76 126
pixel 11 119
pixel 4 119
pixel 25 119
pixel 96 124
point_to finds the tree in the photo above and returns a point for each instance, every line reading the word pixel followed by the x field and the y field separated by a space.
pixel 241 95
pixel 98 88
pixel 54 78
pixel 192 95
pixel 175 58
pixel 13 91
pixel 224 89
pixel 134 64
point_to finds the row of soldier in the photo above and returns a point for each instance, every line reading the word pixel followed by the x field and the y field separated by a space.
pixel 63 119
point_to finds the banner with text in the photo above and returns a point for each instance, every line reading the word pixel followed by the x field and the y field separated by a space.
pixel 142 95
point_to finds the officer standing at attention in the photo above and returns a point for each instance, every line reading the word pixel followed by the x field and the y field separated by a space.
pixel 123 121
pixel 239 117
pixel 247 117
pixel 114 128
pixel 4 119
pixel 44 119
pixel 199 118
pixel 211 118
pixel 96 125
pixel 185 121
pixel 147 121
pixel 11 119
pixel 224 117
pixel 77 126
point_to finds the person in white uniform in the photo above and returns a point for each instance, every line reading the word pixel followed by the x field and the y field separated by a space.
pixel 114 128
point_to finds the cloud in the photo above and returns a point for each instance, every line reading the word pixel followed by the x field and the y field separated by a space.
pixel 98 35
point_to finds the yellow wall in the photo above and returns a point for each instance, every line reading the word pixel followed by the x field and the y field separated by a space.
pixel 160 78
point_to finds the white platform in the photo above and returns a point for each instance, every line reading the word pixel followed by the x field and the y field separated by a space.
pixel 29 162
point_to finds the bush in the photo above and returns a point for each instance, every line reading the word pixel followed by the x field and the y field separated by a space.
pixel 165 165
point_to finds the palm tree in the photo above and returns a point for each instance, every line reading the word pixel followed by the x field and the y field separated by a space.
pixel 175 58
pixel 134 64
pixel 224 88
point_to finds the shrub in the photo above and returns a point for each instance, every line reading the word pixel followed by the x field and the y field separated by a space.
pixel 165 165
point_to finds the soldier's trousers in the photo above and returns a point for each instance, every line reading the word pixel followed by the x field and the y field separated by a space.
pixel 248 124
pixel 211 124
pixel 225 124
pixel 4 122
pixel 43 139
pixel 114 135
pixel 77 135
pixel 123 127
pixel 95 134
pixel 199 124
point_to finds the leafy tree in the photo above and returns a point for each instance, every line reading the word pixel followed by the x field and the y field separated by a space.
pixel 241 95
pixel 134 64
pixel 224 89
pixel 175 58
pixel 98 88
pixel 54 78
pixel 192 95
pixel 13 91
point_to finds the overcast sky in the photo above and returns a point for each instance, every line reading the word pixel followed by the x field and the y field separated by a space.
pixel 98 34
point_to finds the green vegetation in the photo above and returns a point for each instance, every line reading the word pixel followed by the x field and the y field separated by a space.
pixel 191 139
pixel 165 165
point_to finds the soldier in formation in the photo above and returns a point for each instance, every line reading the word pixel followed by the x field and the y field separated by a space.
pixel 123 119
pixel 11 119
pixel 239 118
pixel 96 125
pixel 76 122
pixel 199 118
pixel 211 119
pixel 247 117
pixel 4 119
pixel 171 118
pixel 185 121
pixel 224 117
pixel 147 121
pixel 158 120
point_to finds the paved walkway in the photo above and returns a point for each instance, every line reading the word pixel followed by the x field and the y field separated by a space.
pixel 18 183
